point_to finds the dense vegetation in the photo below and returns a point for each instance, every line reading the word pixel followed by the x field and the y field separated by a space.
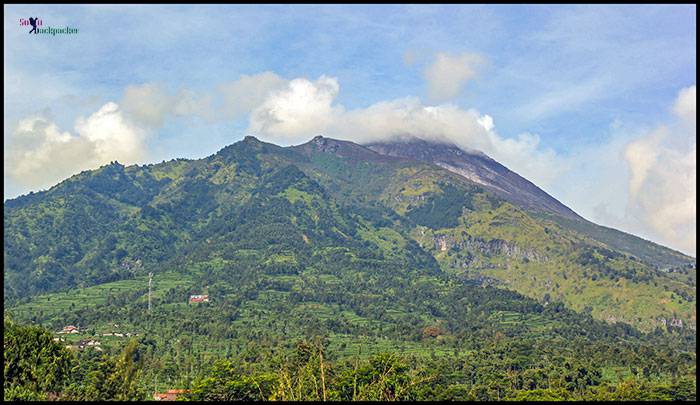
pixel 333 273
pixel 500 367
pixel 38 368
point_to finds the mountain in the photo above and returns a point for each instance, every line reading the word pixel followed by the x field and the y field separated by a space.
pixel 424 206
pixel 363 250
pixel 481 169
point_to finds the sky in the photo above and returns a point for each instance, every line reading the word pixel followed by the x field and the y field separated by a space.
pixel 594 104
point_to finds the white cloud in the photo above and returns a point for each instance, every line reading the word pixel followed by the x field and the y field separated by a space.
pixel 113 137
pixel 42 154
pixel 190 104
pixel 449 73
pixel 596 186
pixel 663 177
pixel 684 107
pixel 241 96
pixel 151 104
pixel 148 103
pixel 299 110
pixel 486 121
pixel 642 155
pixel 38 154
pixel 306 108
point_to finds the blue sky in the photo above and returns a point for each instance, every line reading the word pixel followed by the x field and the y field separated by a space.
pixel 584 82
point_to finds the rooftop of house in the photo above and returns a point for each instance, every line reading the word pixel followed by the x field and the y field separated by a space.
pixel 170 395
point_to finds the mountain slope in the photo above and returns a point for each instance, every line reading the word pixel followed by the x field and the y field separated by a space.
pixel 485 238
pixel 480 169
pixel 495 177
pixel 255 206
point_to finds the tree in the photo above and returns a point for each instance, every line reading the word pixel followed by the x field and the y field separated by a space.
pixel 34 364
pixel 227 383
pixel 103 377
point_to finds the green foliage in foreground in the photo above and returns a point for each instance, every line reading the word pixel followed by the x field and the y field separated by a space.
pixel 306 375
pixel 37 368
pixel 34 363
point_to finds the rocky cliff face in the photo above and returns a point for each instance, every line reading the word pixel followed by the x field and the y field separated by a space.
pixel 491 248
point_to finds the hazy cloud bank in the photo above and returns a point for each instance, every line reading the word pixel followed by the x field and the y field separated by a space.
pixel 663 176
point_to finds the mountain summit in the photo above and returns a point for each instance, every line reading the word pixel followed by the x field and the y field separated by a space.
pixel 479 168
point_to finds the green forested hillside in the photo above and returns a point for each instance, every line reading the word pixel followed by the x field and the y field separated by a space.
pixel 118 222
pixel 357 253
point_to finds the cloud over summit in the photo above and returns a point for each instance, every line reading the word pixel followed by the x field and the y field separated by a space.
pixel 305 108
pixel 299 110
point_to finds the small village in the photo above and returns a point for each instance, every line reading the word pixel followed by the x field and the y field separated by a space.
pixel 82 344
pixel 87 343
pixel 91 343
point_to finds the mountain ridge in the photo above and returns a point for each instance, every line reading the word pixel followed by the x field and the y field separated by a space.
pixel 317 195
pixel 478 167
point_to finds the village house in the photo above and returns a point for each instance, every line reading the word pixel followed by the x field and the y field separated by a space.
pixel 70 329
pixel 170 395
pixel 81 345
pixel 89 342
pixel 118 334
pixel 199 298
